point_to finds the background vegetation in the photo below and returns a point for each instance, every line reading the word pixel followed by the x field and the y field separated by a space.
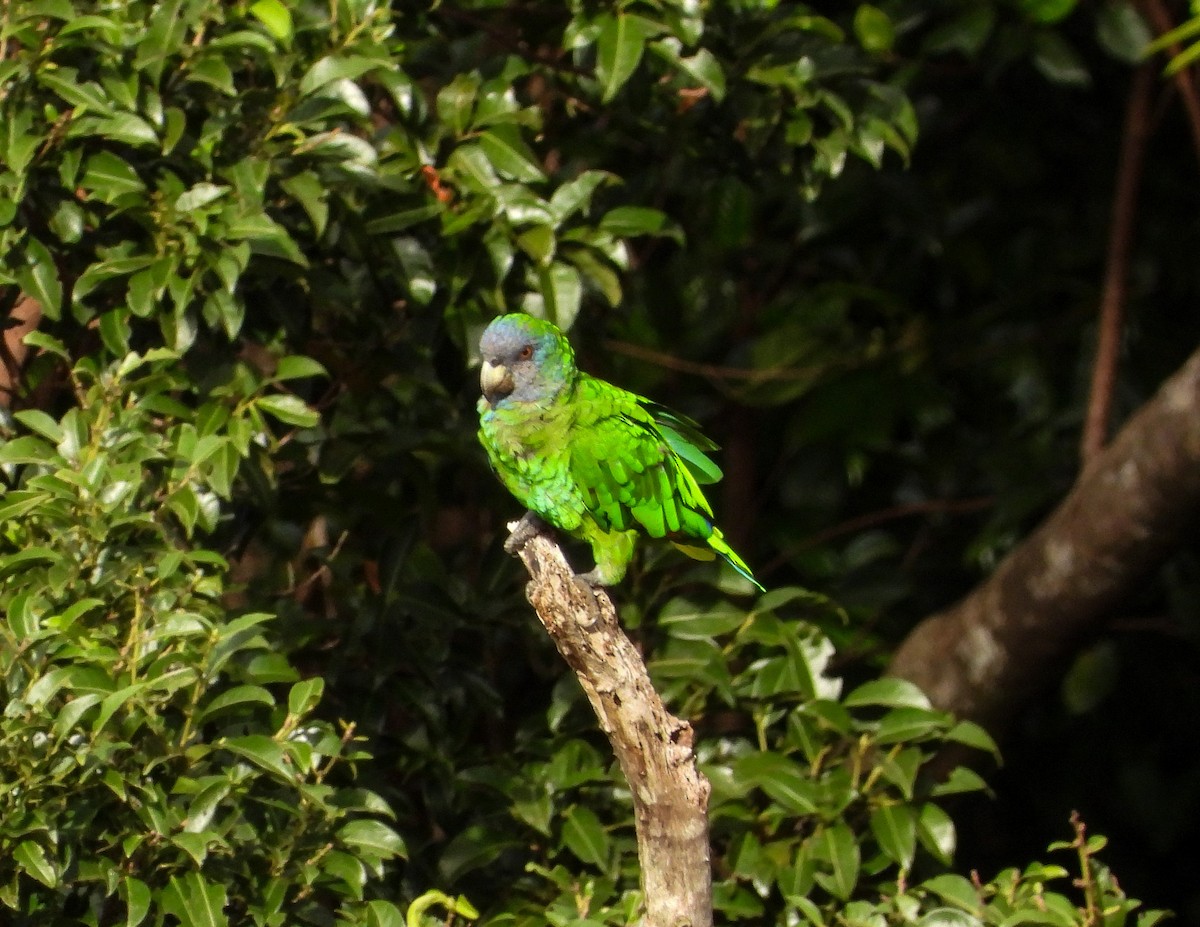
pixel 263 658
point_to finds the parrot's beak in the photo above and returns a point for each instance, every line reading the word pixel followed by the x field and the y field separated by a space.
pixel 496 381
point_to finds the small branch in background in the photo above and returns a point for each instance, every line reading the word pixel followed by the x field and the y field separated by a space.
pixel 1112 297
pixel 1160 20
pixel 652 746
pixel 881 517
pixel 24 318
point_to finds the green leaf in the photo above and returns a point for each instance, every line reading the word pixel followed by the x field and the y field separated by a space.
pixel 628 221
pixel 264 752
pixel 510 155
pixel 276 17
pixel 48 343
pixel 38 279
pixel 67 221
pixel 84 96
pixel 562 291
pixel 194 845
pixel 685 619
pixel 136 894
pixel 936 832
pixel 1047 11
pixel 584 835
pixel 966 33
pixel 307 190
pixel 418 269
pixel 109 177
pixel 195 901
pixel 890 692
pixel 702 68
pixel 141 297
pixel 456 102
pixel 128 128
pixel 304 696
pixel 1058 61
pixel 38 421
pixel 873 29
pixel 576 195
pixel 895 828
pixel 961 779
pixel 289 409
pixel 373 838
pixel 837 848
pixel 335 68
pixel 905 724
pixel 956 890
pixel 232 698
pixel 1121 31
pixel 619 46
pixel 298 367
pixel 538 242
pixel 202 194
pixel 783 779
pixel 30 856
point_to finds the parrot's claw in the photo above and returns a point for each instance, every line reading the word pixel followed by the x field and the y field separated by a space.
pixel 529 527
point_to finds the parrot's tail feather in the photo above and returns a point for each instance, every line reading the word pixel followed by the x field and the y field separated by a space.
pixel 717 542
pixel 695 551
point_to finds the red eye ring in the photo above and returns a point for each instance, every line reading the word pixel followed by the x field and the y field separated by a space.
pixel 526 352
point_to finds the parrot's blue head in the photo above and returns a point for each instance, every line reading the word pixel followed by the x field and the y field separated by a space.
pixel 524 359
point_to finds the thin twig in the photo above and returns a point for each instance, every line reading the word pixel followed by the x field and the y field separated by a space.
pixel 1160 19
pixel 882 516
pixel 1112 297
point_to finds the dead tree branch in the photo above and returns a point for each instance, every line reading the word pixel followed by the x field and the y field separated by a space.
pixel 1136 501
pixel 653 748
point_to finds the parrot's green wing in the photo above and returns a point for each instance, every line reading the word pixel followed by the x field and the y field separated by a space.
pixel 639 465
pixel 686 440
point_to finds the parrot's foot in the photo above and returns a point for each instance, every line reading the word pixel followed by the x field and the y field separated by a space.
pixel 529 527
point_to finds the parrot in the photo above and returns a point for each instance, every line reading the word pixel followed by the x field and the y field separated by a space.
pixel 593 460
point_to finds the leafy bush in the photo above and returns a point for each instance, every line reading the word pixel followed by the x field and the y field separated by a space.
pixel 159 756
pixel 825 807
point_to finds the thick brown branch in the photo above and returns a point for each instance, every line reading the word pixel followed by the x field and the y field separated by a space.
pixel 1139 497
pixel 653 748
pixel 1120 239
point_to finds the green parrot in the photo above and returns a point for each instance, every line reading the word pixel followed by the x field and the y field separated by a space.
pixel 590 458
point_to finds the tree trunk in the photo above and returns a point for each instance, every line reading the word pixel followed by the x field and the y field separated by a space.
pixel 653 748
pixel 1135 502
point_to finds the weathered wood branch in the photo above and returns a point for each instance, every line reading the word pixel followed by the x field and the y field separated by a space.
pixel 653 747
pixel 1135 502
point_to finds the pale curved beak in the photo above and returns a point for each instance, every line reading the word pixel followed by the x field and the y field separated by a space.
pixel 495 380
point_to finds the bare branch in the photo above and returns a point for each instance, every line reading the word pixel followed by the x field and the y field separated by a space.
pixel 652 746
pixel 1120 239
pixel 1133 504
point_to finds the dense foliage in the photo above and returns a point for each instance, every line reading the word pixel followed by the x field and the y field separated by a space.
pixel 263 659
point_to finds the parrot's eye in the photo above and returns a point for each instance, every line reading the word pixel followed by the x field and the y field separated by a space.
pixel 526 352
